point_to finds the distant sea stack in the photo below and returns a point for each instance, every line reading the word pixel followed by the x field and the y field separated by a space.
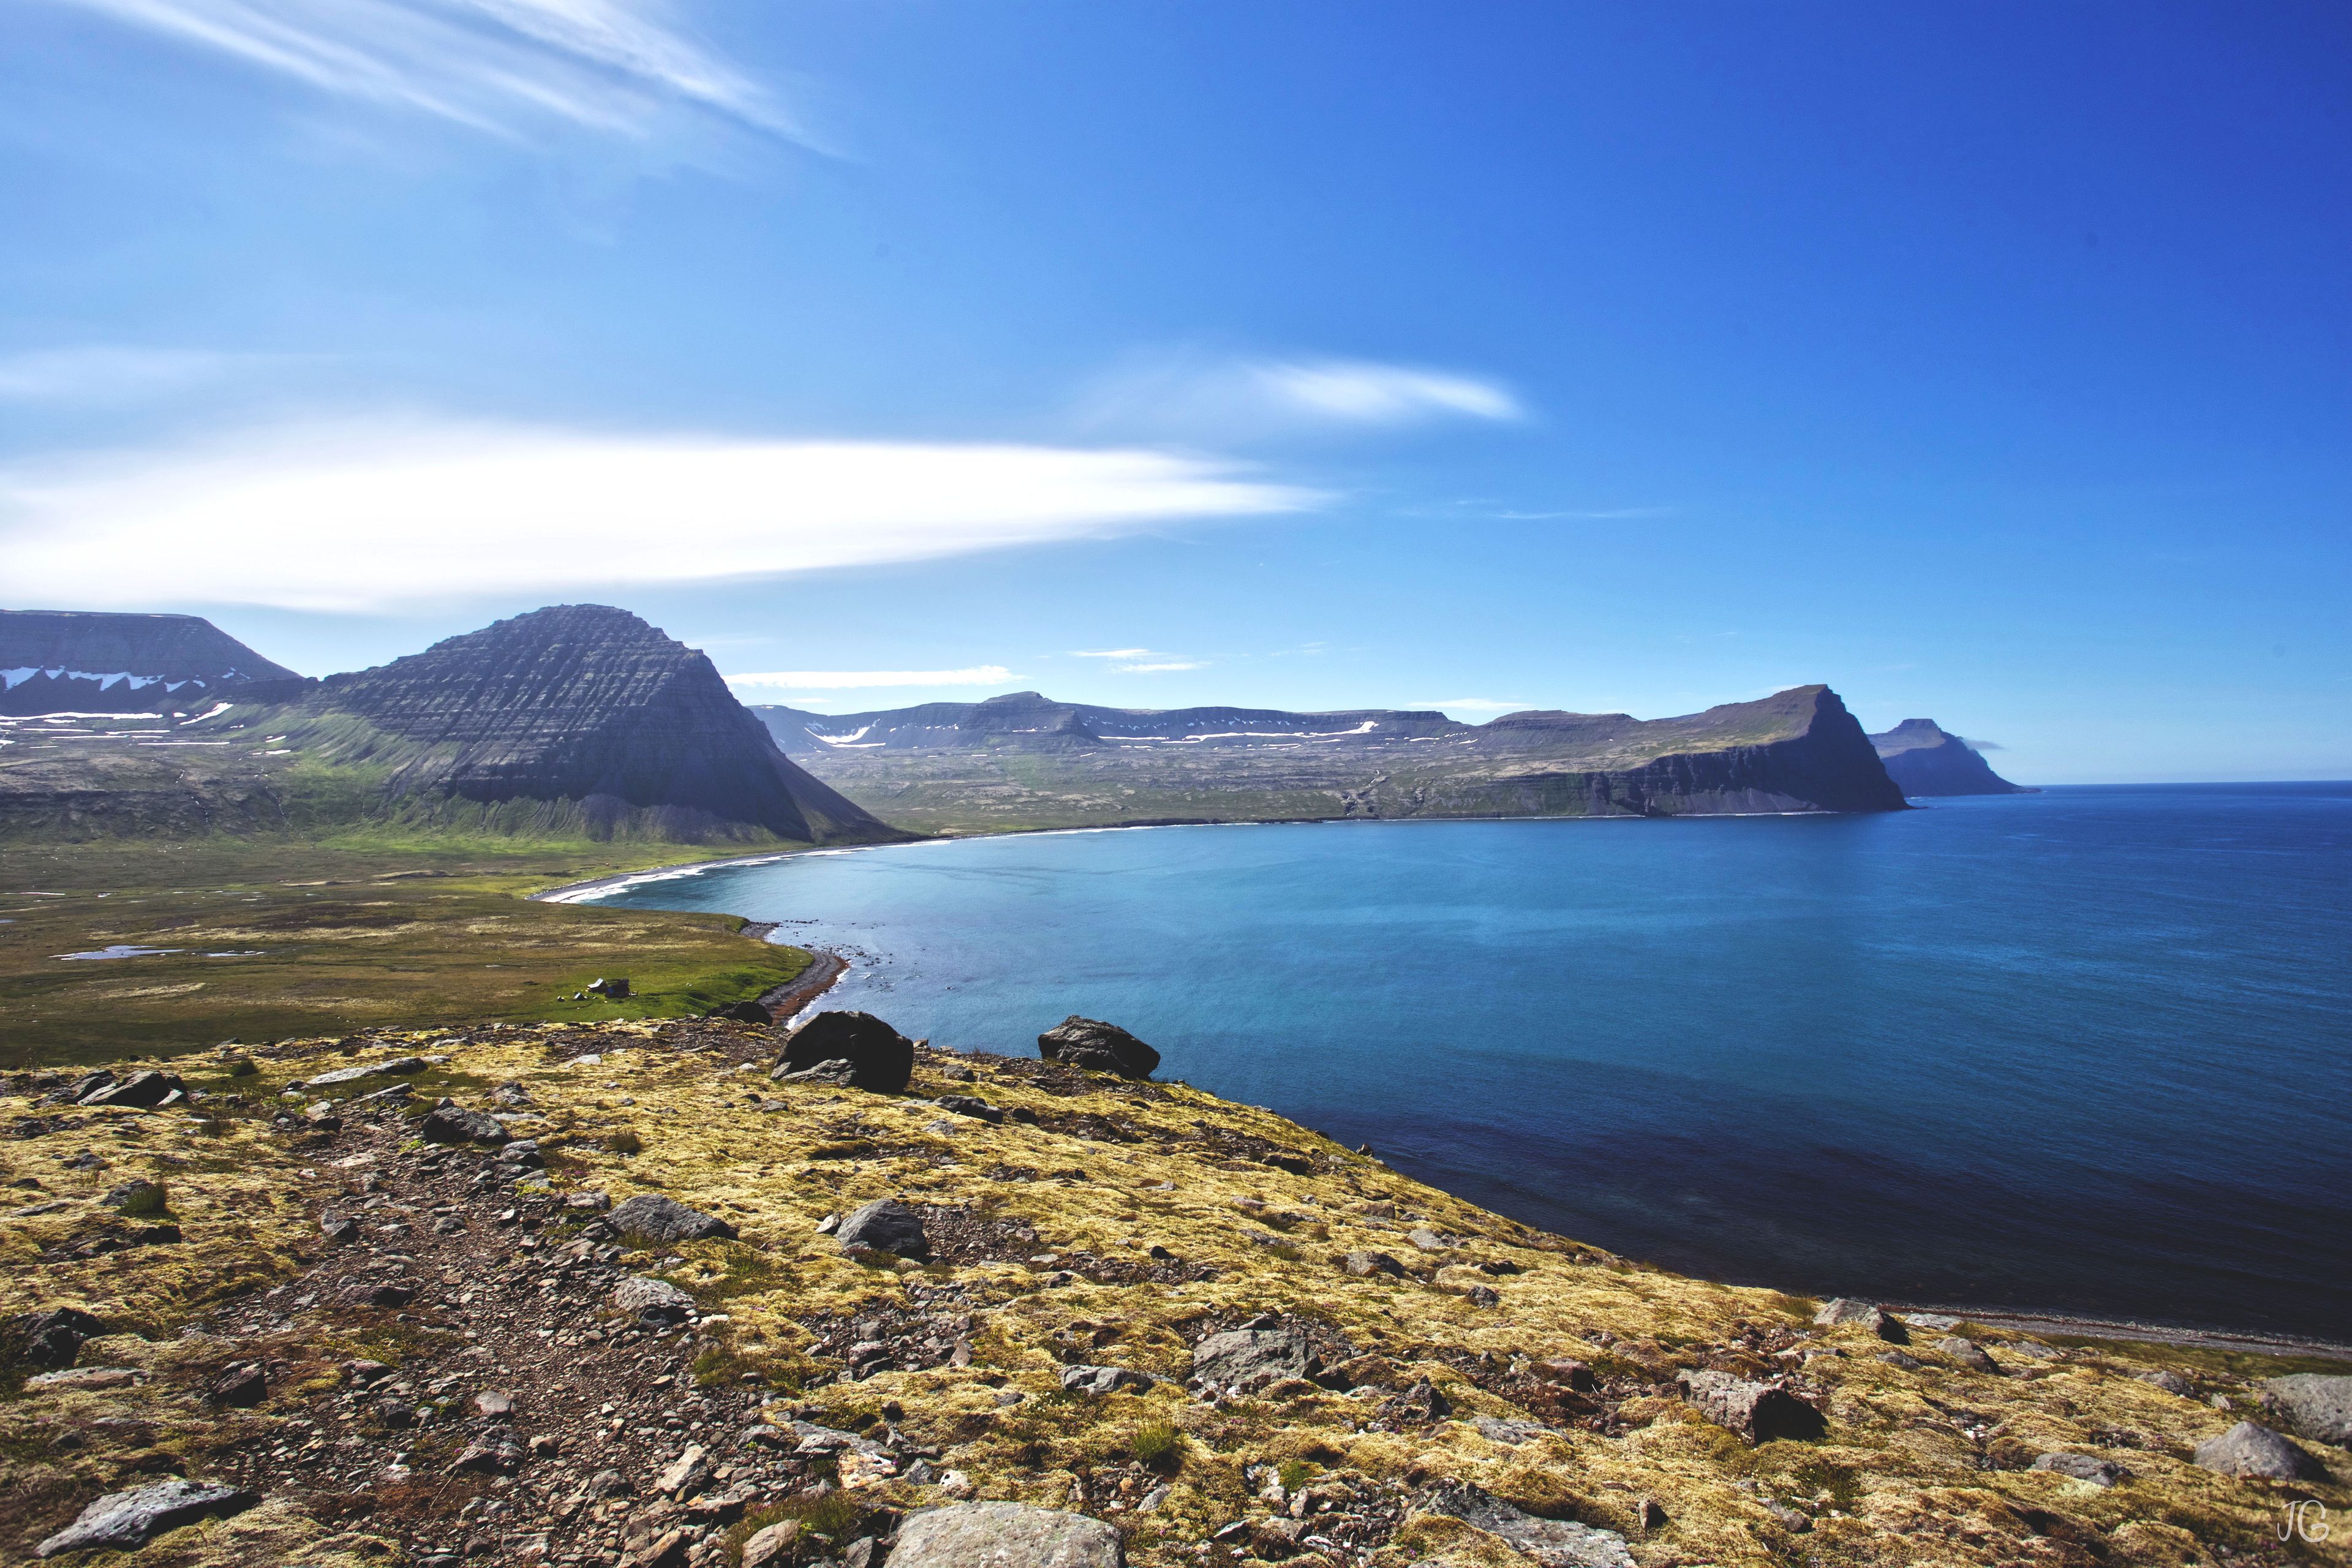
pixel 82 661
pixel 1925 759
pixel 578 716
pixel 1023 760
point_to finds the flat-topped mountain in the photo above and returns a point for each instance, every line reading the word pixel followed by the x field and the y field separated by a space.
pixel 1925 759
pixel 1025 761
pixel 579 705
pixel 81 661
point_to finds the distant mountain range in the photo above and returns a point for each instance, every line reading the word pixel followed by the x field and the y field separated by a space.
pixel 576 720
pixel 1023 760
pixel 60 661
pixel 1925 759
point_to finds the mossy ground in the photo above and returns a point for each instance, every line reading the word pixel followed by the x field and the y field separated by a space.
pixel 372 931
pixel 1920 1466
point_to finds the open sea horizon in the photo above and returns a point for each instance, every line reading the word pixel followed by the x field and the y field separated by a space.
pixel 2087 1051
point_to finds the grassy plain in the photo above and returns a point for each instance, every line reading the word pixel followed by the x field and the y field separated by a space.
pixel 271 936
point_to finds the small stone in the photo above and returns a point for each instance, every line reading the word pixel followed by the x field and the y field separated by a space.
pixel 494 1453
pixel 1553 1542
pixel 773 1546
pixel 339 1228
pixel 969 1105
pixel 2172 1383
pixel 545 1447
pixel 1483 1296
pixel 1495 1430
pixel 449 1122
pixel 2083 1468
pixel 241 1386
pixel 1427 1240
pixel 1969 1353
pixel 667 1549
pixel 1364 1265
pixel 2255 1451
pixel 137 1197
pixel 685 1474
pixel 1898 1359
pixel 494 1404
pixel 652 1300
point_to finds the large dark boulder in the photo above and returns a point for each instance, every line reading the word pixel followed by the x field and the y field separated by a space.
pixel 449 1122
pixel 884 1225
pixel 144 1089
pixel 1759 1411
pixel 1097 1047
pixel 54 1338
pixel 658 1218
pixel 880 1057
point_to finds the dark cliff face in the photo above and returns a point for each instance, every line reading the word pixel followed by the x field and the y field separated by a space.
pixel 60 661
pixel 1925 759
pixel 585 704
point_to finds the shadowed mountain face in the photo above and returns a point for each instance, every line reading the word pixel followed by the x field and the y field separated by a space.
pixel 78 661
pixel 580 704
pixel 1023 760
pixel 1925 759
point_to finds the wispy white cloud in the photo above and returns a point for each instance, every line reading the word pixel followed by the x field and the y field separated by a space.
pixel 1110 653
pixel 105 375
pixel 374 515
pixel 1224 398
pixel 1161 667
pixel 853 679
pixel 1469 704
pixel 499 65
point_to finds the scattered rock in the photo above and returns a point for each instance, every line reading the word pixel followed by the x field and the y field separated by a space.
pixel 773 1546
pixel 1898 1359
pixel 140 1196
pixel 1840 1311
pixel 2313 1404
pixel 55 1338
pixel 127 1520
pixel 449 1122
pixel 2171 1382
pixel 1364 1265
pixel 742 1013
pixel 1422 1401
pixel 880 1059
pixel 968 1105
pixel 399 1067
pixel 141 1088
pixel 496 1453
pixel 2255 1451
pixel 242 1386
pixel 1003 1535
pixel 1483 1296
pixel 2083 1468
pixel 1969 1353
pixel 1247 1358
pixel 658 1218
pixel 685 1474
pixel 1427 1240
pixel 1103 1379
pixel 390 1294
pixel 494 1404
pixel 667 1549
pixel 1552 1542
pixel 886 1224
pixel 614 990
pixel 338 1228
pixel 1759 1411
pixel 652 1300
pixel 1574 1374
pixel 1097 1047
pixel 1512 1432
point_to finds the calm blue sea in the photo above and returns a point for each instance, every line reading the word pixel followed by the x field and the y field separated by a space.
pixel 2088 1050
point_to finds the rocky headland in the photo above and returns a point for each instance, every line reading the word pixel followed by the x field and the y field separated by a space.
pixel 1925 758
pixel 85 661
pixel 677 1294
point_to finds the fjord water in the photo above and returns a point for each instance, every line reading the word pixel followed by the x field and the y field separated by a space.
pixel 2086 1051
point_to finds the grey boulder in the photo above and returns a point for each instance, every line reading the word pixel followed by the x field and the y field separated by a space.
pixel 1103 1379
pixel 400 1066
pixel 880 1059
pixel 1842 1312
pixel 449 1122
pixel 654 1301
pixel 2172 1383
pixel 1759 1411
pixel 141 1088
pixel 658 1218
pixel 2083 1468
pixel 1004 1535
pixel 127 1520
pixel 2256 1452
pixel 1969 1353
pixel 1246 1359
pixel 2313 1404
pixel 1553 1542
pixel 1097 1047
pixel 886 1224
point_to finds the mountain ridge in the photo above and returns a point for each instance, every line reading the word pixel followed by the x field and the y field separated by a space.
pixel 1925 759
pixel 97 661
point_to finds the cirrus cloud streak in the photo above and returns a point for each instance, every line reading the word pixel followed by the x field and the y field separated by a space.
pixel 365 517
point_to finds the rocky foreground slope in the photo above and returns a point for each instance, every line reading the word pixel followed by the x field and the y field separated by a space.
pixel 613 1294
pixel 1925 759
pixel 1024 761
pixel 78 661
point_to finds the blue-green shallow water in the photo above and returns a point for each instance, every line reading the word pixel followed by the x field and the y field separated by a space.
pixel 2087 1051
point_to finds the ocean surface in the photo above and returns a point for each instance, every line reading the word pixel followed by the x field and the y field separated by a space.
pixel 2086 1051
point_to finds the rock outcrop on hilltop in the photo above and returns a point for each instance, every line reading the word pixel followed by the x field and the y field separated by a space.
pixel 1925 759
pixel 1025 761
pixel 81 661
pixel 581 706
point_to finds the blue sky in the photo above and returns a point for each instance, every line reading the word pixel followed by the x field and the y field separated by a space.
pixel 1992 363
